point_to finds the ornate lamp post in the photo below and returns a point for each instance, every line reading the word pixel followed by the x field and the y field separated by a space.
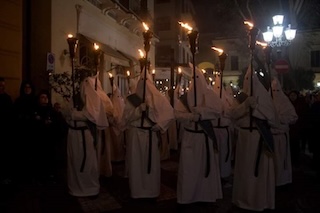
pixel 73 43
pixel 277 36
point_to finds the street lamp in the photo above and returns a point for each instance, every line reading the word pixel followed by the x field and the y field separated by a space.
pixel 277 36
pixel 193 41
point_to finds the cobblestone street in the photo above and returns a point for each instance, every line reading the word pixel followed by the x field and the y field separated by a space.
pixel 302 196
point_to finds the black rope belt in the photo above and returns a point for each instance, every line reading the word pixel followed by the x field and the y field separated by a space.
pixel 287 148
pixel 103 141
pixel 259 150
pixel 150 147
pixel 82 129
pixel 207 149
pixel 228 139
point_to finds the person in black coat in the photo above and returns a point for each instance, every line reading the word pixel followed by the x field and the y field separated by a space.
pixel 24 108
pixel 6 122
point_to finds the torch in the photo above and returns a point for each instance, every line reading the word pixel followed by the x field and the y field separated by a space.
pixel 111 82
pixel 73 43
pixel 267 51
pixel 222 60
pixel 97 54
pixel 253 32
pixel 141 60
pixel 179 76
pixel 193 41
pixel 153 75
pixel 147 35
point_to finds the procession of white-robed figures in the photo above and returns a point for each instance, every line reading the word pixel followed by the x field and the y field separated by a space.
pixel 209 126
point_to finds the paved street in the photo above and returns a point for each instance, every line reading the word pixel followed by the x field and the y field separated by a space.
pixel 302 196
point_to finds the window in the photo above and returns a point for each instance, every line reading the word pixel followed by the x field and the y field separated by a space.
pixel 163 24
pixel 234 63
pixel 315 58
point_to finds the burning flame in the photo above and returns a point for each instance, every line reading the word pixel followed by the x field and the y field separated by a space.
pixel 249 24
pixel 185 25
pixel 153 71
pixel 110 75
pixel 203 70
pixel 145 26
pixel 95 46
pixel 262 44
pixel 217 49
pixel 128 73
pixel 141 53
pixel 179 70
pixel 70 36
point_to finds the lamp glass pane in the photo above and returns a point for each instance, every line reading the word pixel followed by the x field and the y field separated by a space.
pixel 277 31
pixel 267 36
pixel 277 19
pixel 290 34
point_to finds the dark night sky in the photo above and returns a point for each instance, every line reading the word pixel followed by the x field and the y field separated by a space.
pixel 222 17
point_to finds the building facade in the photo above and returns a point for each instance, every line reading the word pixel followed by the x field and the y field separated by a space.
pixel 42 28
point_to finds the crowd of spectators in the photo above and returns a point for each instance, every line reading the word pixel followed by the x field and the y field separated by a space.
pixel 33 135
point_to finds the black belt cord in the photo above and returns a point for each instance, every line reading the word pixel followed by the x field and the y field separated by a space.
pixel 259 152
pixel 150 148
pixel 84 151
pixel 103 141
pixel 207 150
pixel 82 129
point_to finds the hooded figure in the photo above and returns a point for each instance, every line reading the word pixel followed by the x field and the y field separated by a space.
pixel 254 176
pixel 287 115
pixel 83 141
pixel 116 132
pixel 142 137
pixel 223 129
pixel 198 173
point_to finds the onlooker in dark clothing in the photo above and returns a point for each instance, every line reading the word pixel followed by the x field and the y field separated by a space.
pixel 44 143
pixel 60 129
pixel 297 130
pixel 315 123
pixel 6 121
pixel 24 108
pixel 306 144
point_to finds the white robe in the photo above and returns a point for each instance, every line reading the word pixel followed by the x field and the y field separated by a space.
pixel 193 185
pixel 223 130
pixel 287 115
pixel 81 147
pixel 252 192
pixel 81 183
pixel 142 183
